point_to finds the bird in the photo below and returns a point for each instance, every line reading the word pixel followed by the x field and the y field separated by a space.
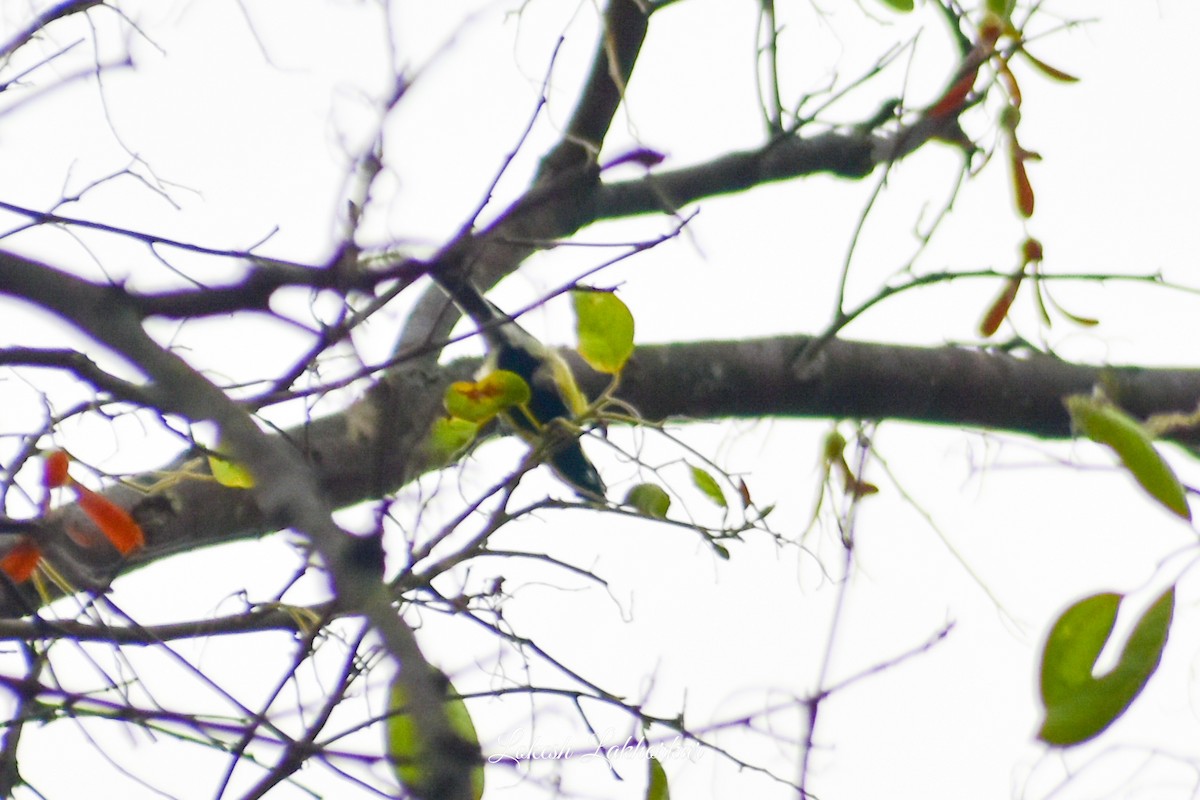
pixel 554 395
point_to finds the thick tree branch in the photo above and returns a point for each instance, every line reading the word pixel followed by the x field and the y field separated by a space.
pixel 567 195
pixel 849 155
pixel 286 489
pixel 556 204
pixel 625 25
pixel 377 445
pixel 940 385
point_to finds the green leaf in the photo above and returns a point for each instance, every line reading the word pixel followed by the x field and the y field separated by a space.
pixel 649 499
pixel 229 473
pixel 406 746
pixel 479 401
pixel 706 483
pixel 1078 705
pixel 1102 422
pixel 899 5
pixel 449 437
pixel 1001 8
pixel 656 788
pixel 605 328
pixel 834 446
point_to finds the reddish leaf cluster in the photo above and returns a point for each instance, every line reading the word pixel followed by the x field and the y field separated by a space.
pixel 118 527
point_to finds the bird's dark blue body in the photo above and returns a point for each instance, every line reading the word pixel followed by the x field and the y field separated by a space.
pixel 513 349
pixel 546 404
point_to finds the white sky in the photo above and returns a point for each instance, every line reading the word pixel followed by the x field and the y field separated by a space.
pixel 246 146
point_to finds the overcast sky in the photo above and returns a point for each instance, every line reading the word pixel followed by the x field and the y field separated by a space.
pixel 246 115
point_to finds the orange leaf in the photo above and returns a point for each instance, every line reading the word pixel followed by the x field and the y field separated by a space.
pixel 1010 84
pixel 744 493
pixel 20 561
pixel 854 487
pixel 951 101
pixel 991 28
pixel 1021 184
pixel 999 309
pixel 1031 250
pixel 859 489
pixel 113 521
pixel 54 470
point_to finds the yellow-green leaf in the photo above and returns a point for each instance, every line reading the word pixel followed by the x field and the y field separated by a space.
pixel 568 387
pixel 706 483
pixel 1001 8
pixel 649 499
pixel 1078 704
pixel 834 445
pixel 229 473
pixel 605 328
pixel 656 787
pixel 899 5
pixel 407 748
pixel 1102 422
pixel 449 437
pixel 479 401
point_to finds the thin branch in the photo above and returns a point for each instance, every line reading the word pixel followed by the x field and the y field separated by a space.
pixel 77 363
pixel 55 12
pixel 286 488
pixel 257 619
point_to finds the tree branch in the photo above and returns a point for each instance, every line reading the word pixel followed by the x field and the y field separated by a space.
pixel 59 10
pixel 625 25
pixel 378 445
pixel 73 361
pixel 849 155
pixel 286 490
pixel 940 385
